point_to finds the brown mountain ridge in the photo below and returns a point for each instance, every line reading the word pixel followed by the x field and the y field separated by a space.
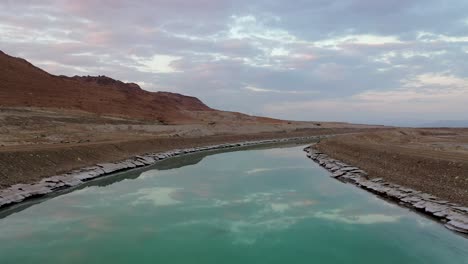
pixel 25 85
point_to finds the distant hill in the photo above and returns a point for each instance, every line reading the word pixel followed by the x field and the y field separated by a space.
pixel 25 85
pixel 447 123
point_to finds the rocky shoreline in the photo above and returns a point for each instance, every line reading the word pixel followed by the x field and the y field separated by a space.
pixel 451 215
pixel 21 192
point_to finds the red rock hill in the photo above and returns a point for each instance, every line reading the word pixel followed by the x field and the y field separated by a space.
pixel 25 85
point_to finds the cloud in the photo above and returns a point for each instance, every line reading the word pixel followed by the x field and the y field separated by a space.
pixel 258 170
pixel 366 39
pixel 364 219
pixel 424 96
pixel 313 59
pixel 158 196
pixel 263 90
pixel 156 64
pixel 427 89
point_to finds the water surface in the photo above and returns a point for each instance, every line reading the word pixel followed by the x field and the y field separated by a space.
pixel 256 206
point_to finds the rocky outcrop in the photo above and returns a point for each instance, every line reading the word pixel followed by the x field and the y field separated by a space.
pixel 452 215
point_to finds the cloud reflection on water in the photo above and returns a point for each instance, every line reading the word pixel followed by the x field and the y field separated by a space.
pixel 158 196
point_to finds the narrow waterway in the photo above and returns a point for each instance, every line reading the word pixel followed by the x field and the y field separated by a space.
pixel 253 206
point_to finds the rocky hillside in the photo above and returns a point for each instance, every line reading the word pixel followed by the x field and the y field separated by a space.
pixel 24 85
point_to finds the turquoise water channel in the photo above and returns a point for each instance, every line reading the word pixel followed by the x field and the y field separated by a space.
pixel 254 206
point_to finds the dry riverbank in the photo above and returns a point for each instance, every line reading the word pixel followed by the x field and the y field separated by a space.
pixel 433 161
pixel 452 215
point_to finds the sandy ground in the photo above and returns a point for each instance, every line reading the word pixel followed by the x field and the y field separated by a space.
pixel 430 160
pixel 36 143
pixel 34 126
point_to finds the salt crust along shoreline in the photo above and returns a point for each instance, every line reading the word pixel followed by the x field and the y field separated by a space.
pixel 18 193
pixel 451 215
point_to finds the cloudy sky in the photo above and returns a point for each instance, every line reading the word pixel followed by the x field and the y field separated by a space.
pixel 368 61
